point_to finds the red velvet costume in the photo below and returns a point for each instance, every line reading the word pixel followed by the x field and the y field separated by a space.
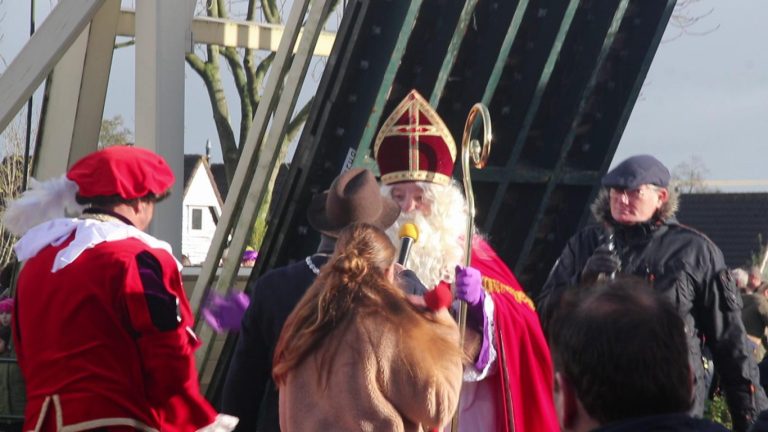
pixel 104 362
pixel 102 324
pixel 524 366
pixel 414 145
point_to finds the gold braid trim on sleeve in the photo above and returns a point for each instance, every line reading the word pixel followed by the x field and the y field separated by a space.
pixel 494 286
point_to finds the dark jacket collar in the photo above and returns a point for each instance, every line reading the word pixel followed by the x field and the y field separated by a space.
pixel 642 232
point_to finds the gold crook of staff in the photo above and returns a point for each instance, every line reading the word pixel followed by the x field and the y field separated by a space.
pixel 478 153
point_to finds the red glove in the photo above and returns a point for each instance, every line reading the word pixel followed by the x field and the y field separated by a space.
pixel 439 298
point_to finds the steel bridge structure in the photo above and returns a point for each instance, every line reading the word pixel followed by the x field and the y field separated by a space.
pixel 560 78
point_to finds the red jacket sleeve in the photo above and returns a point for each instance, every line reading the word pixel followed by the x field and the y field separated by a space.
pixel 160 314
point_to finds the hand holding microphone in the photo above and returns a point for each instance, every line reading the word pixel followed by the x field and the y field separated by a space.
pixel 435 299
pixel 603 262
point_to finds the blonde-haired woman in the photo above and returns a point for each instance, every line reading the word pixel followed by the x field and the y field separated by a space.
pixel 356 354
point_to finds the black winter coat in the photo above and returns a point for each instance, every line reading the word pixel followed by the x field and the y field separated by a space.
pixel 688 269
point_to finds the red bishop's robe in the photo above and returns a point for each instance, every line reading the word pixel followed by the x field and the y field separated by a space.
pixel 524 374
pixel 105 340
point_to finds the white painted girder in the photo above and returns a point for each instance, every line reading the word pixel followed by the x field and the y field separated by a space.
pixel 76 95
pixel 41 53
pixel 232 33
pixel 162 28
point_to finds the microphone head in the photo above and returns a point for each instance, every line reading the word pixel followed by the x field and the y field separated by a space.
pixel 409 230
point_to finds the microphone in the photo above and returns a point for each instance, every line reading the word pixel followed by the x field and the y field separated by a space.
pixel 409 234
pixel 610 244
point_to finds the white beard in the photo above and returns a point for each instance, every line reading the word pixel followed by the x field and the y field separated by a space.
pixel 440 245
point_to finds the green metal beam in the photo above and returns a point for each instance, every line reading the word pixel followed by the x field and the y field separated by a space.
pixel 363 157
pixel 541 86
pixel 506 46
pixel 638 84
pixel 554 180
pixel 453 51
pixel 626 110
pixel 528 175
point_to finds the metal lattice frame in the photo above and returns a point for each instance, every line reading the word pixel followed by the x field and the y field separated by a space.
pixel 560 79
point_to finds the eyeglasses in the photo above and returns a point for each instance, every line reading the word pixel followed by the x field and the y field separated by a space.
pixel 632 193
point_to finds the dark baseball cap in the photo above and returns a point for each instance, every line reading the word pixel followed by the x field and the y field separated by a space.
pixel 636 171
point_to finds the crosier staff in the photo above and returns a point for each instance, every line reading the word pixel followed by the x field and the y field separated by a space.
pixel 471 148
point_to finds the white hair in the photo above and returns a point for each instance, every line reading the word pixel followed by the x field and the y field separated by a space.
pixel 440 246
pixel 740 276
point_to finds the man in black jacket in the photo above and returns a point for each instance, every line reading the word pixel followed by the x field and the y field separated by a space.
pixel 637 234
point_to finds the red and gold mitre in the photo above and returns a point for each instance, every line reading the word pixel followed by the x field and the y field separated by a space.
pixel 414 144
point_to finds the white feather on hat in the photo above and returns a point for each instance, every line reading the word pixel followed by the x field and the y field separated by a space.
pixel 41 202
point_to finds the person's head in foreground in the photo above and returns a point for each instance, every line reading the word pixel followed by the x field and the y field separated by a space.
pixel 619 353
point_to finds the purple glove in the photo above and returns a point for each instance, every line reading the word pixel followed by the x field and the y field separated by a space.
pixel 224 313
pixel 469 285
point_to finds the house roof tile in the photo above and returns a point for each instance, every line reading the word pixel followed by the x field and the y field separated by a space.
pixel 736 222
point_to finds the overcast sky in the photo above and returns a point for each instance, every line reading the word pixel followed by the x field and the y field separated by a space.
pixel 705 95
pixel 708 95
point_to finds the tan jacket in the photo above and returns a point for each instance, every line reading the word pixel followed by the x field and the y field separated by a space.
pixel 369 389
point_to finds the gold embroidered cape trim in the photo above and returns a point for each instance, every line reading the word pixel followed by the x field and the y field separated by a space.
pixel 494 286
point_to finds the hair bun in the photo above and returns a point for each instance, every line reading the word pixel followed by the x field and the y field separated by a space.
pixel 351 267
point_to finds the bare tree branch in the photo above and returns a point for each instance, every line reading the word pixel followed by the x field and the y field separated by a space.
pixel 241 84
pixel 295 125
pixel 125 44
pixel 221 10
pixel 689 176
pixel 197 64
pixel 248 73
pixel 261 72
pixel 11 178
pixel 684 19
pixel 271 12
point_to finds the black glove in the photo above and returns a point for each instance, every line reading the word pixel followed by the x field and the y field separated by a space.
pixel 603 261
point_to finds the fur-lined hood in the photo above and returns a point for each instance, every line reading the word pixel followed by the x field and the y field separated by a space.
pixel 601 207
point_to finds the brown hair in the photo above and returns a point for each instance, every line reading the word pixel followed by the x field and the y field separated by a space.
pixel 354 284
pixel 109 201
pixel 623 349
